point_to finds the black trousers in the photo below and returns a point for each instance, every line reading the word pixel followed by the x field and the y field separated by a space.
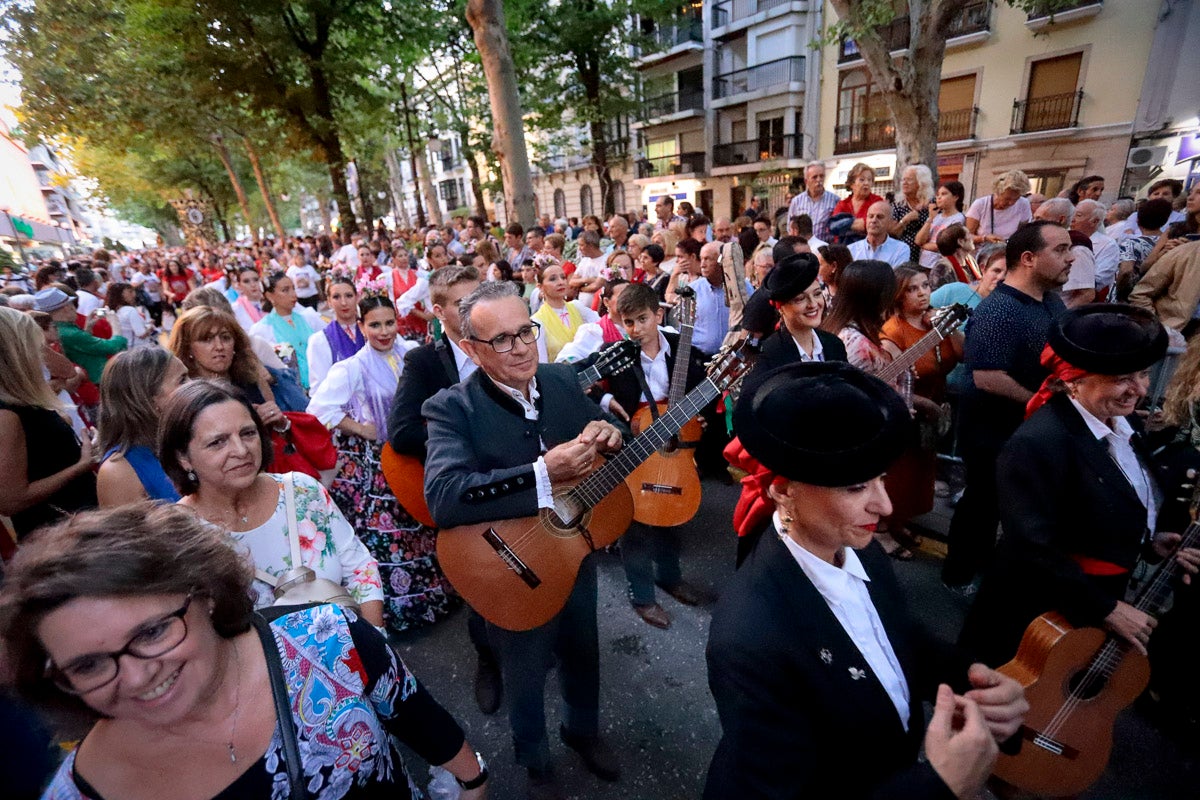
pixel 973 527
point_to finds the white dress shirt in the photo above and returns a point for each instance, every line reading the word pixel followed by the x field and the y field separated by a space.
pixel 1120 447
pixel 712 316
pixel 845 592
pixel 541 473
pixel 462 361
pixel 818 353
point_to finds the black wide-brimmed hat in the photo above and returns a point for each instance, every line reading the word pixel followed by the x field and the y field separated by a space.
pixel 824 423
pixel 1108 338
pixel 791 276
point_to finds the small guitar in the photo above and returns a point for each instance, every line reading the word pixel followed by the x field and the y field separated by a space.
pixel 666 488
pixel 405 474
pixel 944 321
pixel 518 573
pixel 1076 682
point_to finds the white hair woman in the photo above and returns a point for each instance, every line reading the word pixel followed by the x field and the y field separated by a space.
pixel 910 209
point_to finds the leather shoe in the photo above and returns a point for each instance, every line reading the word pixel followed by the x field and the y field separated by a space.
pixel 685 593
pixel 489 688
pixel 543 785
pixel 653 614
pixel 597 756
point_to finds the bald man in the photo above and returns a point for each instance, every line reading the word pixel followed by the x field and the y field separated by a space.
pixel 878 245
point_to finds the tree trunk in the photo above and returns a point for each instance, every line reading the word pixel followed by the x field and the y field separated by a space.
pixel 223 152
pixel 910 87
pixel 432 205
pixel 468 154
pixel 364 197
pixel 264 189
pixel 397 186
pixel 323 210
pixel 486 18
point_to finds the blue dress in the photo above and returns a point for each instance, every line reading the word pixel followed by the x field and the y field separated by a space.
pixel 150 472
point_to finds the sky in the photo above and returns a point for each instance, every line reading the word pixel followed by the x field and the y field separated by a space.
pixel 10 95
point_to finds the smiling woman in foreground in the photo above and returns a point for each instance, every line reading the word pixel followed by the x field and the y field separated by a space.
pixel 817 671
pixel 155 637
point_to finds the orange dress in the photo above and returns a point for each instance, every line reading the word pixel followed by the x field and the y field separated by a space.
pixel 910 480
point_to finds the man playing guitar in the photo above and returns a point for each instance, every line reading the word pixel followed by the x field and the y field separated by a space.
pixel 500 443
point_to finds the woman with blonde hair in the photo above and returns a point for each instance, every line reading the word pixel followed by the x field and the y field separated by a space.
pixel 211 344
pixel 667 239
pixel 136 387
pixel 910 209
pixel 995 217
pixel 46 470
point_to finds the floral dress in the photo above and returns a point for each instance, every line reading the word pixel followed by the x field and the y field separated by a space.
pixel 350 694
pixel 416 592
pixel 328 545
pixel 861 352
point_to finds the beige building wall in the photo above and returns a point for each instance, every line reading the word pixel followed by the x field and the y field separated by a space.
pixel 572 181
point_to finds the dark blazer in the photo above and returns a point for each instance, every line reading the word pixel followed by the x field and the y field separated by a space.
pixel 1061 495
pixel 427 370
pixel 626 389
pixel 796 724
pixel 780 348
pixel 481 449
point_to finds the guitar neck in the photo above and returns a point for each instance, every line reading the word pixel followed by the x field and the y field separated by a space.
pixel 683 355
pixel 1154 594
pixel 588 377
pixel 597 485
pixel 910 356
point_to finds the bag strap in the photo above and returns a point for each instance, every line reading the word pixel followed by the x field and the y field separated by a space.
pixel 283 710
pixel 289 499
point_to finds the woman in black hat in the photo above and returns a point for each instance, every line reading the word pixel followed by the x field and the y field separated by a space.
pixel 817 674
pixel 1079 496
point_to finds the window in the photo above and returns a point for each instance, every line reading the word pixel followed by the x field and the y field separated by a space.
pixel 770 138
pixel 956 108
pixel 1052 100
pixel 618 190
pixel 1048 183
pixel 560 204
pixel 862 121
pixel 585 200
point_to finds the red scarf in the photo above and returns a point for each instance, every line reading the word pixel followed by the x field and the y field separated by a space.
pixel 610 330
pixel 1059 371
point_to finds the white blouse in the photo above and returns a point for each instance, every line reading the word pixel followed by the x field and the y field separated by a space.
pixel 331 400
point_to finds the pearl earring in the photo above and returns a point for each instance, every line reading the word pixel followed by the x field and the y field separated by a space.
pixel 191 476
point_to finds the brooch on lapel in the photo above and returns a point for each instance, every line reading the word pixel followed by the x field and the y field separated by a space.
pixel 825 655
pixel 857 674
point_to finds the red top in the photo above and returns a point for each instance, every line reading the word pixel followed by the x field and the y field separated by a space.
pixel 178 285
pixel 847 206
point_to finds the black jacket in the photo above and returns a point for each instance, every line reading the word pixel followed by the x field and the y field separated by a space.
pixel 481 449
pixel 626 389
pixel 795 721
pixel 427 370
pixel 1061 495
pixel 780 348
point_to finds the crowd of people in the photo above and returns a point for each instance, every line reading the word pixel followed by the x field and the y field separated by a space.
pixel 252 401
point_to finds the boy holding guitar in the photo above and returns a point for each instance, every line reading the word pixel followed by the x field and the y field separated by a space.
pixel 651 552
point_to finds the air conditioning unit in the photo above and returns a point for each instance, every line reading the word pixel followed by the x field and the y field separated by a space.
pixel 1146 157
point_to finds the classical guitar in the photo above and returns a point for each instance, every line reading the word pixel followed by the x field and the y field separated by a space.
pixel 666 488
pixel 518 573
pixel 1076 681
pixel 405 474
pixel 944 321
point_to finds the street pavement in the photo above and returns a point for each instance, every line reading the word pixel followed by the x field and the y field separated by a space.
pixel 656 710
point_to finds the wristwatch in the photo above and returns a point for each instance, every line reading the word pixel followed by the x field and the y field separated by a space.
pixel 479 779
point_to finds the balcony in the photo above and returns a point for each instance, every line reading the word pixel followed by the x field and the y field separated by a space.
pixel 1053 112
pixel 975 17
pixel 754 151
pixel 688 29
pixel 760 76
pixel 863 136
pixel 894 35
pixel 957 124
pixel 665 166
pixel 664 105
pixel 1081 9
pixel 729 11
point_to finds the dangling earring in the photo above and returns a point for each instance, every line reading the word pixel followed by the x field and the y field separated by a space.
pixel 787 521
pixel 191 476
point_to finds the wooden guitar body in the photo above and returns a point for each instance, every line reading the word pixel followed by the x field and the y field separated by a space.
pixel 405 476
pixel 518 573
pixel 1063 754
pixel 666 488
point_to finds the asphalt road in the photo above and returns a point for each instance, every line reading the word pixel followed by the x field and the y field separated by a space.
pixel 656 710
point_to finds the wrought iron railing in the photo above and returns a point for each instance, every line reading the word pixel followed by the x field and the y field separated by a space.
pixel 957 124
pixel 677 164
pixel 972 18
pixel 1074 6
pixel 1046 113
pixel 672 34
pixel 861 136
pixel 729 11
pixel 691 99
pixel 753 151
pixel 760 76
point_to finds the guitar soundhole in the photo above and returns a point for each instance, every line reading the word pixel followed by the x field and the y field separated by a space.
pixel 1084 685
pixel 558 523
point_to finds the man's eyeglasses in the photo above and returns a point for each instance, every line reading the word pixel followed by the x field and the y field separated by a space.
pixel 90 672
pixel 505 342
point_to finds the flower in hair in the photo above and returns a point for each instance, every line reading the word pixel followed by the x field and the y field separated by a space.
pixel 544 261
pixel 341 271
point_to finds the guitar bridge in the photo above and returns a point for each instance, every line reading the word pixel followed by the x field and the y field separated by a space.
pixel 1038 739
pixel 511 559
pixel 661 488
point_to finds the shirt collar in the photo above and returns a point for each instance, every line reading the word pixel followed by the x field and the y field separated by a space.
pixel 460 357
pixel 664 348
pixel 818 348
pixel 1120 428
pixel 829 580
pixel 517 395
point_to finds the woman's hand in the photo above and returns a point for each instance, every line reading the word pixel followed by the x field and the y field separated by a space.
pixel 368 431
pixel 1000 698
pixel 958 744
pixel 270 414
pixel 85 463
pixel 1167 544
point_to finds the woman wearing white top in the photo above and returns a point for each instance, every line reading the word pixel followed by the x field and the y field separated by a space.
pixel 342 337
pixel 560 320
pixel 307 281
pixel 137 330
pixel 353 401
pixel 286 322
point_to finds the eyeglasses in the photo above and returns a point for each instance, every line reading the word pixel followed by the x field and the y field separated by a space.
pixel 506 341
pixel 90 672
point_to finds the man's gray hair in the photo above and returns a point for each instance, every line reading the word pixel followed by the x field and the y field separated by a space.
pixel 590 237
pixel 486 293
pixel 1058 207
pixel 1097 210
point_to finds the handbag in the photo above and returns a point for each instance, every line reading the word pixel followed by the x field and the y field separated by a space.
pixel 283 711
pixel 289 395
pixel 300 584
pixel 306 446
